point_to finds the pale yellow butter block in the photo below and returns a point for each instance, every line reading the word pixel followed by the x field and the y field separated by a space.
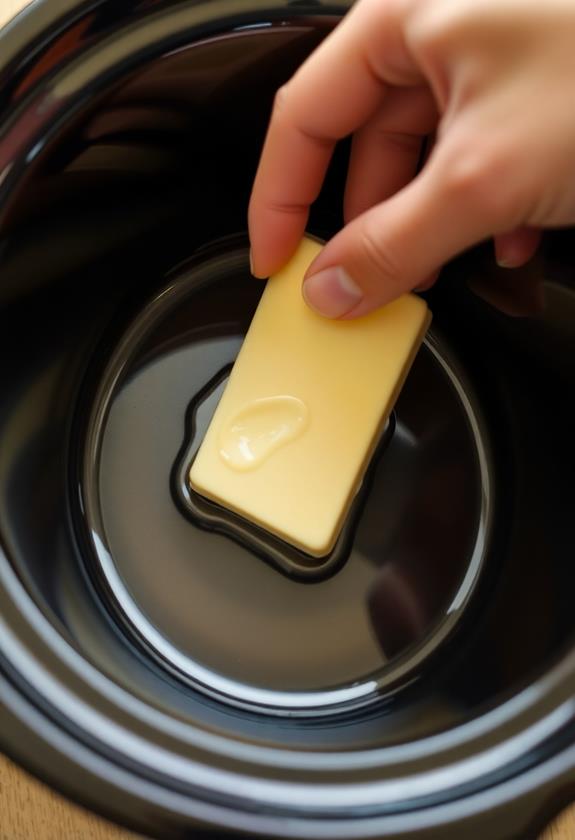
pixel 304 408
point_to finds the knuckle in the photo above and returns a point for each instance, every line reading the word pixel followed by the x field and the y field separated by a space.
pixel 280 100
pixel 288 111
pixel 401 140
pixel 486 175
pixel 286 207
pixel 380 258
pixel 393 8
pixel 438 24
pixel 466 172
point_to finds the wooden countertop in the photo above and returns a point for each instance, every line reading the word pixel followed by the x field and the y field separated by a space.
pixel 28 809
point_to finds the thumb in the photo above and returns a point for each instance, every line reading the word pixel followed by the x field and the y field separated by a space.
pixel 397 245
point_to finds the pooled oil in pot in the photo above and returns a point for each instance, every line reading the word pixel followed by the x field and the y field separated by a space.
pixel 212 607
pixel 287 558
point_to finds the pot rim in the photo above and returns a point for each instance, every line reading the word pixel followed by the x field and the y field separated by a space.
pixel 532 729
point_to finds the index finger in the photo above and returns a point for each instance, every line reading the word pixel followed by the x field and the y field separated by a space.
pixel 334 92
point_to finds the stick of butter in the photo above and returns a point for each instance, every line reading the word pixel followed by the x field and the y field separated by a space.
pixel 304 408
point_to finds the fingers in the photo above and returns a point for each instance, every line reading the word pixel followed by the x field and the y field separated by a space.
pixel 514 249
pixel 386 151
pixel 288 180
pixel 519 294
pixel 398 244
pixel 335 92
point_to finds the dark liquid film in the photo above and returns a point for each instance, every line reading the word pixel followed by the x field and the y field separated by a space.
pixel 151 172
pixel 218 603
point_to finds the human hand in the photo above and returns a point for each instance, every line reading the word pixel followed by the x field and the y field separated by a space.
pixel 493 79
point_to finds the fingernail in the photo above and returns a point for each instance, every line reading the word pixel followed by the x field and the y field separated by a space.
pixel 506 258
pixel 331 292
pixel 254 271
pixel 427 283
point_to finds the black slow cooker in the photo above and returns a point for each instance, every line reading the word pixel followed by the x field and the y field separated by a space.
pixel 162 663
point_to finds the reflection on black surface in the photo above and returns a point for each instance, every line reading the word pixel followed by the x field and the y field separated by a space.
pixel 138 185
pixel 168 158
pixel 435 519
pixel 297 637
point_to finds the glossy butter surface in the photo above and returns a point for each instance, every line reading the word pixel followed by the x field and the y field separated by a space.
pixel 303 410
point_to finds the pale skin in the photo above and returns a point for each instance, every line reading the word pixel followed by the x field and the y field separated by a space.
pixel 492 80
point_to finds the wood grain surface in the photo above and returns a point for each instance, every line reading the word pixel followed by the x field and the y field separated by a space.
pixel 8 8
pixel 31 811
